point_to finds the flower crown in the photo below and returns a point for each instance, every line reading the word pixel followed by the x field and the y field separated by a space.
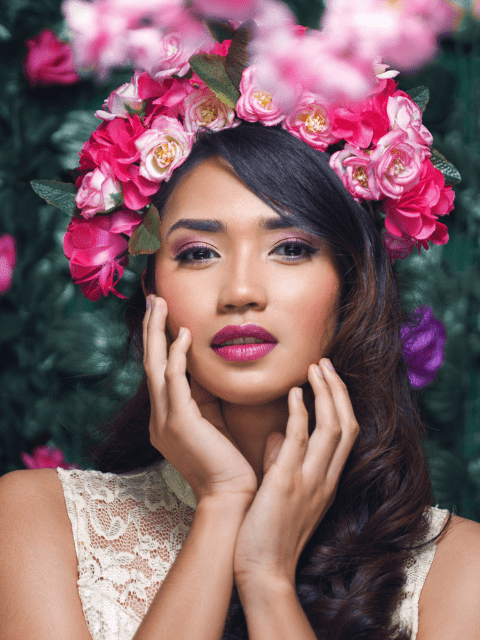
pixel 379 148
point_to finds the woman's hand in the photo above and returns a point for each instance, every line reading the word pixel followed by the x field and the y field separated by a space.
pixel 301 475
pixel 186 424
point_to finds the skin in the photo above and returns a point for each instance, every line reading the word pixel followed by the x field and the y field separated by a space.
pixel 243 280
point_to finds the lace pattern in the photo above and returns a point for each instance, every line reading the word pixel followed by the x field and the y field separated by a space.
pixel 128 529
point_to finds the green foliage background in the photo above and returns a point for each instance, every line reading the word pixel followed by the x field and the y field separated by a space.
pixel 61 355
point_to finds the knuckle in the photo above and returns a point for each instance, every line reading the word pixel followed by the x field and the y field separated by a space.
pixel 336 432
pixel 301 438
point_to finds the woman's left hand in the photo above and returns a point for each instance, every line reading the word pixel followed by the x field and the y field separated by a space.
pixel 301 475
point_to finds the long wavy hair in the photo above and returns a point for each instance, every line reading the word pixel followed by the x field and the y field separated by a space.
pixel 350 575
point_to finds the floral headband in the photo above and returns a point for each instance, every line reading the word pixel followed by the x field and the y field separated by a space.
pixel 379 148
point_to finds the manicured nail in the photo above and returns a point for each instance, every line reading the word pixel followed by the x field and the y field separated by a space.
pixel 181 332
pixel 149 302
pixel 318 371
pixel 299 393
pixel 329 365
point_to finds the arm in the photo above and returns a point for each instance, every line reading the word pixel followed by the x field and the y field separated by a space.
pixel 192 602
pixel 273 611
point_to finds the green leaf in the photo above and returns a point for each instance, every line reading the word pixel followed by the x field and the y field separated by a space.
pixel 60 194
pixel 237 57
pixel 220 29
pixel 450 173
pixel 211 69
pixel 145 239
pixel 420 95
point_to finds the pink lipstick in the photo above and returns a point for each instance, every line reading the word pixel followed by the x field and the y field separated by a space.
pixel 262 342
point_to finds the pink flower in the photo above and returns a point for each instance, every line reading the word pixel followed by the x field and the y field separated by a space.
pixel 46 458
pixel 402 33
pixel 397 248
pixel 99 191
pixel 404 114
pixel 238 10
pixel 95 247
pixel 163 147
pixel 311 121
pixel 123 101
pixel 49 61
pixel 112 33
pixel 114 143
pixel 397 163
pixel 257 105
pixel 354 168
pixel 415 214
pixel 160 55
pixel 7 261
pixel 204 109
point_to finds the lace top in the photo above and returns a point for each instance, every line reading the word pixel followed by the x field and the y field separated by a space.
pixel 128 530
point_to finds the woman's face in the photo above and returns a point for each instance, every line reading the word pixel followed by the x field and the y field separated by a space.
pixel 243 273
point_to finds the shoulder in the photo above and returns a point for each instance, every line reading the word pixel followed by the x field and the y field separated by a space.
pixel 448 605
pixel 38 563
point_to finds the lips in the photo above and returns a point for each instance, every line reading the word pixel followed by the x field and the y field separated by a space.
pixel 233 331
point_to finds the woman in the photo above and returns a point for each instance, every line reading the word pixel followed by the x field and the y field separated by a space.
pixel 219 475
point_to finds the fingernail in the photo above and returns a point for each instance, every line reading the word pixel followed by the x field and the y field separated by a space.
pixel 318 371
pixel 148 302
pixel 181 332
pixel 299 393
pixel 329 365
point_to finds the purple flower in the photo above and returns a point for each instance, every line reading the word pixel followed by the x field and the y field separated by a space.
pixel 46 458
pixel 423 346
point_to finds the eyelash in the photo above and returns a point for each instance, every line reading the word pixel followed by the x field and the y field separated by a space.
pixel 181 257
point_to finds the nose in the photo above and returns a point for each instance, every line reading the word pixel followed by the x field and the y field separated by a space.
pixel 244 284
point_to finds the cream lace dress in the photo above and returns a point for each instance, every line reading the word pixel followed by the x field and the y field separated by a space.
pixel 128 530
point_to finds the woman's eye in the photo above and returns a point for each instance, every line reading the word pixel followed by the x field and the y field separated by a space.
pixel 294 251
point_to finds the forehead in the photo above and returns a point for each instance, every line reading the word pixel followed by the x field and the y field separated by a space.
pixel 214 188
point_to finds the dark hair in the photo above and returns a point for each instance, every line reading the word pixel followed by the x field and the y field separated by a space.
pixel 351 572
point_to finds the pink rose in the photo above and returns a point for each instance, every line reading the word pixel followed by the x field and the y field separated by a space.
pixel 397 248
pixel 256 105
pixel 114 143
pixel 204 109
pixel 415 214
pixel 311 121
pixel 397 163
pixel 354 168
pixel 99 191
pixel 163 147
pixel 46 458
pixel 49 61
pixel 95 247
pixel 7 261
pixel 404 114
pixel 123 101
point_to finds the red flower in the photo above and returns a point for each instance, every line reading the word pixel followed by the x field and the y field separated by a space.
pixel 95 247
pixel 46 458
pixel 415 214
pixel 113 142
pixel 49 61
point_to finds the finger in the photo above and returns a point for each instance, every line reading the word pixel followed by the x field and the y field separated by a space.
pixel 327 434
pixel 208 404
pixel 292 452
pixel 179 395
pixel 346 414
pixel 145 324
pixel 155 338
pixel 336 427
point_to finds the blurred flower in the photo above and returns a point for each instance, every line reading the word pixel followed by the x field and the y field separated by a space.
pixel 46 458
pixel 7 261
pixel 423 346
pixel 95 247
pixel 234 9
pixel 397 248
pixel 49 61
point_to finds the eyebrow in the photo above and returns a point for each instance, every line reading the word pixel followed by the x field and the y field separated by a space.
pixel 217 226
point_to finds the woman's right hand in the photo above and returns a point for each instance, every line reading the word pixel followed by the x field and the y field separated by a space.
pixel 186 424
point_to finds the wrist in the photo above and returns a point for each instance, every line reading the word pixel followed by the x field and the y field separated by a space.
pixel 259 589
